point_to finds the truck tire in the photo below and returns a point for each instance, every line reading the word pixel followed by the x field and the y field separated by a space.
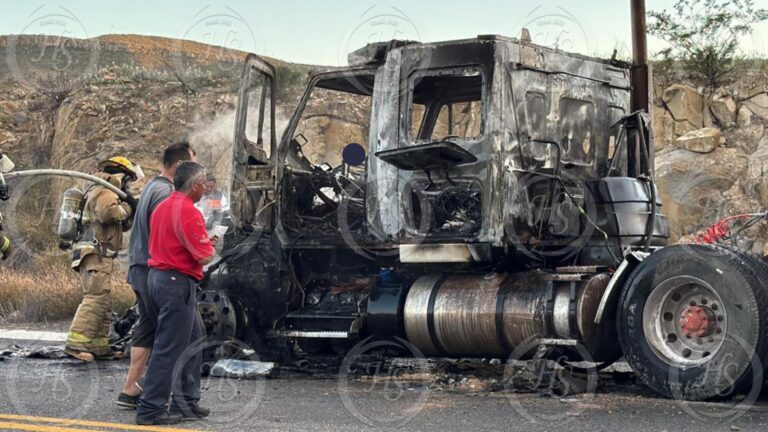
pixel 693 322
pixel 757 263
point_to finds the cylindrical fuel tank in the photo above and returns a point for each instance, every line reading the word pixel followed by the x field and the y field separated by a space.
pixel 473 315
pixel 488 315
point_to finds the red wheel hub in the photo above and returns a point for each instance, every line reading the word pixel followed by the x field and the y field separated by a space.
pixel 697 321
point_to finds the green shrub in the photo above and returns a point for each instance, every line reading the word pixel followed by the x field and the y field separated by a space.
pixel 704 35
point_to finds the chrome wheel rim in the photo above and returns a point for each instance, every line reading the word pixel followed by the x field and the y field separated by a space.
pixel 685 321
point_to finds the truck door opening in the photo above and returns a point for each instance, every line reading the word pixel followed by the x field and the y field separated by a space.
pixel 319 182
pixel 446 105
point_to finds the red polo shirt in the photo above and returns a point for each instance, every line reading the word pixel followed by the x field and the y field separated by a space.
pixel 177 237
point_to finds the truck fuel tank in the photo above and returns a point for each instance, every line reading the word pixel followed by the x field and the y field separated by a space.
pixel 489 315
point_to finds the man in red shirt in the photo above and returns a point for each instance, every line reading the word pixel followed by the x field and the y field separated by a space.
pixel 179 247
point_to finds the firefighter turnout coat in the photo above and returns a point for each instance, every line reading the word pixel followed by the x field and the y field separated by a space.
pixel 105 218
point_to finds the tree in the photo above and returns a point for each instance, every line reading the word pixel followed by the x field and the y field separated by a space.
pixel 704 35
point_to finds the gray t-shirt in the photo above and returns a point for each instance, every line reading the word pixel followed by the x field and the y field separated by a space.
pixel 155 192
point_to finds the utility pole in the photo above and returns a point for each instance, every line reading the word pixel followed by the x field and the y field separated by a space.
pixel 638 146
pixel 640 75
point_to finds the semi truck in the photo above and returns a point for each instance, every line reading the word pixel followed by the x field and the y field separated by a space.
pixel 470 197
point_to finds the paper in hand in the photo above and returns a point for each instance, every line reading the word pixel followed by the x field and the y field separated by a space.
pixel 218 231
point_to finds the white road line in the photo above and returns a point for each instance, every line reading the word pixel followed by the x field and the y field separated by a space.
pixel 43 336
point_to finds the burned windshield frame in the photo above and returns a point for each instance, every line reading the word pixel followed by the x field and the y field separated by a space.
pixel 357 81
pixel 433 108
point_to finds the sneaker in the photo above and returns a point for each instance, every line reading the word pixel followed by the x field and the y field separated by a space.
pixel 83 356
pixel 163 419
pixel 127 401
pixel 192 412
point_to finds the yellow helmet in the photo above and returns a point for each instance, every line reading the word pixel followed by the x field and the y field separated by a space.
pixel 124 164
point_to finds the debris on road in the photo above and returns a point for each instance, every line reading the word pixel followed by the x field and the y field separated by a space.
pixel 46 352
pixel 243 369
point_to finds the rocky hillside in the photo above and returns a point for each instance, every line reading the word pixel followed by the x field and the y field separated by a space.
pixel 138 97
pixel 133 95
pixel 712 150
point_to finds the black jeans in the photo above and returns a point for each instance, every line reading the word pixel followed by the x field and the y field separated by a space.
pixel 144 330
pixel 174 365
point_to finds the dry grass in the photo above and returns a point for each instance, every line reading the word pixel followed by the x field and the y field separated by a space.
pixel 51 294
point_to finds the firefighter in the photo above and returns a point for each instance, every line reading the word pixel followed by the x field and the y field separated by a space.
pixel 6 166
pixel 105 218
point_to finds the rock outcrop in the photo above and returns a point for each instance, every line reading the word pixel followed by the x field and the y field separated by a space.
pixel 724 109
pixel 685 104
pixel 692 184
pixel 758 105
pixel 703 140
pixel 709 173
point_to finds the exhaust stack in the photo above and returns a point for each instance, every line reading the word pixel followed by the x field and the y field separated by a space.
pixel 640 75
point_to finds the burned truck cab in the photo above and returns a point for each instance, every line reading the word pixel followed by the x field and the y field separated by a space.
pixel 486 197
pixel 464 196
pixel 496 150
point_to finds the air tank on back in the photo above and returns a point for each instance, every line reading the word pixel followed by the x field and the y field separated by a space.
pixel 69 216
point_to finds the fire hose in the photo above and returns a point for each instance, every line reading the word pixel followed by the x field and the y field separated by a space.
pixel 62 173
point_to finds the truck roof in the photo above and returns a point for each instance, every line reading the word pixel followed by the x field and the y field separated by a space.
pixel 376 53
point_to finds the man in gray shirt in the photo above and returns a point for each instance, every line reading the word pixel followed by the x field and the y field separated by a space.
pixel 154 192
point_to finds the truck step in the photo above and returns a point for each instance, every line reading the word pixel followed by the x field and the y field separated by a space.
pixel 314 334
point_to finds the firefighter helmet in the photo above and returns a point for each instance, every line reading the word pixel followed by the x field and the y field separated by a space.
pixel 123 164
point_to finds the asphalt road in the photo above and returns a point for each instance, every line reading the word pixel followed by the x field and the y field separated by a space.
pixel 65 396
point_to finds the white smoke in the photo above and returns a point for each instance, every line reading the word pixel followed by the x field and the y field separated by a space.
pixel 213 141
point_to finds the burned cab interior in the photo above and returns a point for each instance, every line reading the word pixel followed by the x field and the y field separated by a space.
pixel 323 188
pixel 446 123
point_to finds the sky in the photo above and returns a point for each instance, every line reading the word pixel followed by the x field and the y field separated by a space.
pixel 324 32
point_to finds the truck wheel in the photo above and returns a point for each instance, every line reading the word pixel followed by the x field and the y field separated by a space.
pixel 693 322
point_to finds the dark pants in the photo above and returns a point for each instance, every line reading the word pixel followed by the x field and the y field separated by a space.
pixel 174 365
pixel 144 330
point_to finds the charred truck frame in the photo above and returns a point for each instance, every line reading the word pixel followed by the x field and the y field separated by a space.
pixel 532 220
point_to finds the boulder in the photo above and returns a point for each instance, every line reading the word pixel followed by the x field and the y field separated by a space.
pixel 708 119
pixel 745 117
pixel 703 140
pixel 724 109
pixel 757 173
pixel 758 104
pixel 683 127
pixel 692 185
pixel 685 104
pixel 663 128
pixel 746 138
pixel 666 129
